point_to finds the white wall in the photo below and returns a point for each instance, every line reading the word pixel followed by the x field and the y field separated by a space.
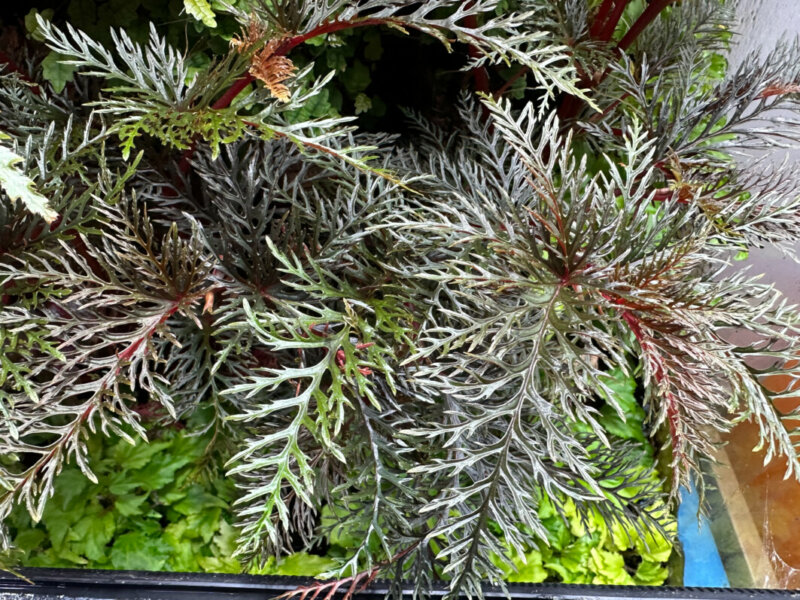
pixel 762 24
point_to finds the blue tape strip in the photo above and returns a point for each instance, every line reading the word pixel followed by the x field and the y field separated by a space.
pixel 702 563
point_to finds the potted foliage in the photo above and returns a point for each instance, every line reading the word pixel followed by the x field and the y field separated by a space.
pixel 421 349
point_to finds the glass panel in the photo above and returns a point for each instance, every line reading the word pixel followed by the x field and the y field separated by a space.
pixel 755 512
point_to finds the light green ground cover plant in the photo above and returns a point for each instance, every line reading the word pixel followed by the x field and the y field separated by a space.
pixel 417 336
pixel 166 506
pixel 118 522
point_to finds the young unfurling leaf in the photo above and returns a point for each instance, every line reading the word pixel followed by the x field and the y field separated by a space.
pixel 19 187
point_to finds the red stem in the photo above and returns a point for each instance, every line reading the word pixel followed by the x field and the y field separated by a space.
pixel 479 74
pixel 224 101
pixel 570 106
pixel 611 24
pixel 600 18
pixel 332 27
pixel 358 582
pixel 246 79
pixel 648 16
pixel 511 81
pixel 226 98
pixel 656 365
pixel 664 194
pixel 128 353
pixel 659 374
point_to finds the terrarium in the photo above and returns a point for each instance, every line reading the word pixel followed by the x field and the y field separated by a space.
pixel 444 292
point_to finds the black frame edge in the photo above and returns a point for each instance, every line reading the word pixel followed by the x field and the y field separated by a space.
pixel 85 583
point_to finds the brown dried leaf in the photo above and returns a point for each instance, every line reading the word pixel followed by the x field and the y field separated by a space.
pixel 779 90
pixel 273 69
pixel 253 36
